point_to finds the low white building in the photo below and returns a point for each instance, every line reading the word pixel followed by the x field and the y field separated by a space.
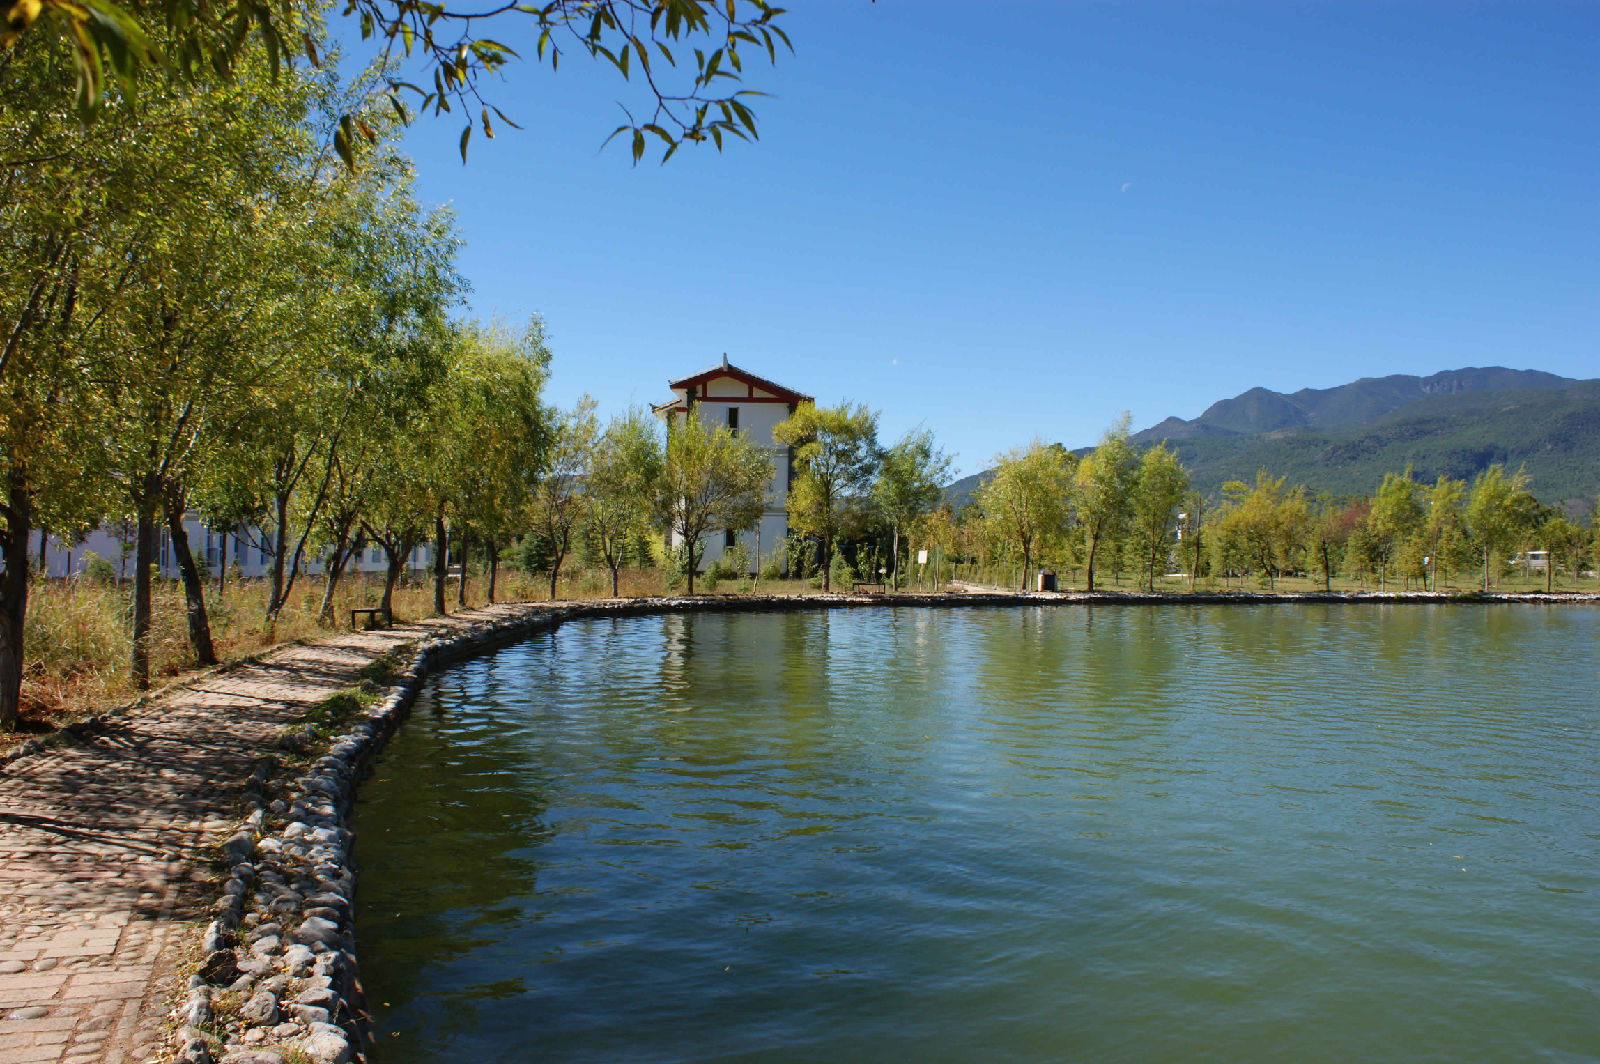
pixel 751 406
pixel 244 554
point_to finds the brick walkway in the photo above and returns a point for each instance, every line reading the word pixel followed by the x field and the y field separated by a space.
pixel 98 841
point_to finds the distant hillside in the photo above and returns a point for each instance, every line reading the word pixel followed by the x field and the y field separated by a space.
pixel 1342 440
pixel 1260 411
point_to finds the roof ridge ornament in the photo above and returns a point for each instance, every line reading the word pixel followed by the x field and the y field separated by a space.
pixel 724 360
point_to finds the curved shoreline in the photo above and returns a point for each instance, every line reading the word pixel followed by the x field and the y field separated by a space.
pixel 284 931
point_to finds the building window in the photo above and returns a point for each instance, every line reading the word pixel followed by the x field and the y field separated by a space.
pixel 729 538
pixel 733 420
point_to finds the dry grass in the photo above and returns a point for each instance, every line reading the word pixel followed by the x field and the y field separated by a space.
pixel 76 652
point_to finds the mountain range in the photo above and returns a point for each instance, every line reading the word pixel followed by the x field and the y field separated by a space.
pixel 1342 440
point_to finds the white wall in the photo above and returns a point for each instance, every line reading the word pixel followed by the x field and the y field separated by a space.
pixel 63 559
pixel 758 412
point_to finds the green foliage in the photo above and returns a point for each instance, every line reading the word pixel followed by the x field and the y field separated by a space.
pixel 908 485
pixel 841 574
pixel 836 458
pixel 557 505
pixel 1552 432
pixel 710 479
pixel 1027 503
pixel 772 567
pixel 196 42
pixel 534 554
pixel 1105 482
pixel 96 570
pixel 1158 490
pixel 1499 510
pixel 619 495
pixel 1261 529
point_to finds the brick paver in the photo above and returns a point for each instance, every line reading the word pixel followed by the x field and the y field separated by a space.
pixel 98 847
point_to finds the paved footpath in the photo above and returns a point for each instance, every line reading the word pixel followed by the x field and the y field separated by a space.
pixel 98 846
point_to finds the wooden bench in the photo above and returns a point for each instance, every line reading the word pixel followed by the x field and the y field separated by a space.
pixel 373 614
pixel 868 585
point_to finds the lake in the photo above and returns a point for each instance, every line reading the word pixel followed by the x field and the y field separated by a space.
pixel 1107 833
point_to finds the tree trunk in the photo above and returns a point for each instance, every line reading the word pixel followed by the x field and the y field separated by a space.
pixel 466 549
pixel 194 589
pixel 391 576
pixel 896 562
pixel 441 548
pixel 1194 568
pixel 13 598
pixel 336 563
pixel 143 556
pixel 1094 545
pixel 1027 557
pixel 280 550
pixel 614 570
pixel 555 571
pixel 492 549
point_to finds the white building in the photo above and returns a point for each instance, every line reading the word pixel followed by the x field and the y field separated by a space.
pixel 243 553
pixel 751 406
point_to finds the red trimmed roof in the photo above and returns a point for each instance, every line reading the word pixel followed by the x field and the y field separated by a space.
pixel 724 369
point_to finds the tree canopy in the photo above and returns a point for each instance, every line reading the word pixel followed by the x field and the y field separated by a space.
pixel 688 56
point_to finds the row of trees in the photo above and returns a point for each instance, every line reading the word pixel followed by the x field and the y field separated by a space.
pixel 624 487
pixel 206 311
pixel 1046 506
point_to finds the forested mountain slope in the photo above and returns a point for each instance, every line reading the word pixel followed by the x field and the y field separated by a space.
pixel 1342 440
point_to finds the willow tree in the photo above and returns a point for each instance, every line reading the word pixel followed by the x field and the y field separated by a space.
pixel 1027 502
pixel 619 495
pixel 503 435
pixel 710 479
pixel 835 458
pixel 557 503
pixel 154 225
pixel 1159 487
pixel 1262 525
pixel 689 54
pixel 1396 516
pixel 909 484
pixel 1499 509
pixel 1105 480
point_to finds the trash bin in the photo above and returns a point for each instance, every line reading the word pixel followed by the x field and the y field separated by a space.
pixel 1045 581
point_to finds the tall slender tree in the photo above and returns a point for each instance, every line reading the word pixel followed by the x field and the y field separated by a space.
pixel 909 484
pixel 1158 490
pixel 620 494
pixel 836 456
pixel 1104 491
pixel 1027 502
pixel 710 479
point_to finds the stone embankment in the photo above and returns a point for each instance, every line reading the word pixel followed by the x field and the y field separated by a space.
pixel 111 846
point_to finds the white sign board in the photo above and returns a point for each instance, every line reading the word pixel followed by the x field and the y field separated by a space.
pixel 922 557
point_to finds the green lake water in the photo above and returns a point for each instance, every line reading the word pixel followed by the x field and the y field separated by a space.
pixel 1251 833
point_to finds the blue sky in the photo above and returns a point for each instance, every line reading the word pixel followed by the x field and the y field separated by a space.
pixel 1017 220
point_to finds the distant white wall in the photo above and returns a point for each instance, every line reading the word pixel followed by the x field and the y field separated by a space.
pixel 244 555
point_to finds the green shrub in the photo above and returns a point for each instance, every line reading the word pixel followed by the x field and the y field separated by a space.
pixel 97 570
pixel 840 573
